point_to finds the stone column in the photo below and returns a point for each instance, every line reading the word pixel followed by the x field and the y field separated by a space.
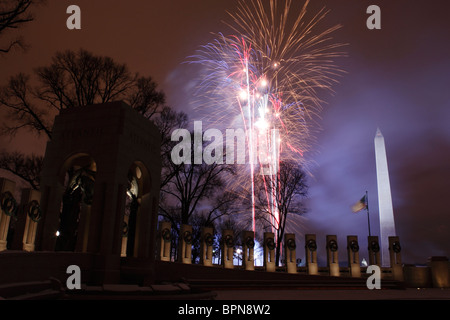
pixel 28 219
pixel 164 240
pixel 206 246
pixel 51 205
pixel 311 254
pixel 269 251
pixel 185 244
pixel 83 228
pixel 248 244
pixel 8 208
pixel 395 258
pixel 374 251
pixel 227 249
pixel 145 237
pixel 353 256
pixel 332 256
pixel 289 253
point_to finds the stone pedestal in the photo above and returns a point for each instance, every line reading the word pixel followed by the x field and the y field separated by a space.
pixel 353 256
pixel 417 276
pixel 8 208
pixel 311 254
pixel 227 249
pixel 248 245
pixel 164 240
pixel 289 253
pixel 440 269
pixel 332 256
pixel 374 251
pixel 206 246
pixel 269 251
pixel 185 244
pixel 395 258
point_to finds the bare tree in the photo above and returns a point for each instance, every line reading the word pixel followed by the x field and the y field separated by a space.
pixel 193 184
pixel 13 14
pixel 81 78
pixel 289 189
pixel 22 111
pixel 78 78
pixel 167 120
pixel 196 189
pixel 23 166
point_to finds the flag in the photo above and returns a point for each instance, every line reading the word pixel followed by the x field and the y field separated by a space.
pixel 360 205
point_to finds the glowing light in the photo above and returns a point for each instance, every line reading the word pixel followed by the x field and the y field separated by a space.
pixel 264 82
pixel 262 124
pixel 243 94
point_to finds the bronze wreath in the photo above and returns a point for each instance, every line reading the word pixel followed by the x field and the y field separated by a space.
pixel 290 244
pixel 165 234
pixel 34 211
pixel 209 239
pixel 125 230
pixel 396 247
pixel 354 246
pixel 311 245
pixel 249 242
pixel 229 242
pixel 270 243
pixel 332 245
pixel 374 246
pixel 8 204
pixel 187 237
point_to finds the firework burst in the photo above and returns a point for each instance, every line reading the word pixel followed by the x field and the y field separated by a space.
pixel 266 78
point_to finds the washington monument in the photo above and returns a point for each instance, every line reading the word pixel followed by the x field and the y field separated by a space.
pixel 387 225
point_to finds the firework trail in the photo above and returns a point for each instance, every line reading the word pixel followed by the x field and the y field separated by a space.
pixel 266 78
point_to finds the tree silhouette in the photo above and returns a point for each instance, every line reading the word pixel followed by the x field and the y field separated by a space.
pixel 13 14
pixel 27 167
pixel 73 79
pixel 290 189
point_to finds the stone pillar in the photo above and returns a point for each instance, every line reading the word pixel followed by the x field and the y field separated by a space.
pixel 51 206
pixel 269 251
pixel 146 234
pixel 185 244
pixel 440 270
pixel 8 207
pixel 206 246
pixel 83 228
pixel 164 240
pixel 332 256
pixel 374 251
pixel 28 219
pixel 248 245
pixel 227 249
pixel 311 254
pixel 395 258
pixel 125 232
pixel 289 253
pixel 353 256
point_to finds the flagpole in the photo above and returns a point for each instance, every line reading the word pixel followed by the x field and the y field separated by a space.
pixel 367 208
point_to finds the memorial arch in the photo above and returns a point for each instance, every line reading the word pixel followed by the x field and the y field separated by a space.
pixel 77 177
pixel 102 161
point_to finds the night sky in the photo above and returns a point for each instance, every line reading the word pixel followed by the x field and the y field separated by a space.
pixel 398 79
